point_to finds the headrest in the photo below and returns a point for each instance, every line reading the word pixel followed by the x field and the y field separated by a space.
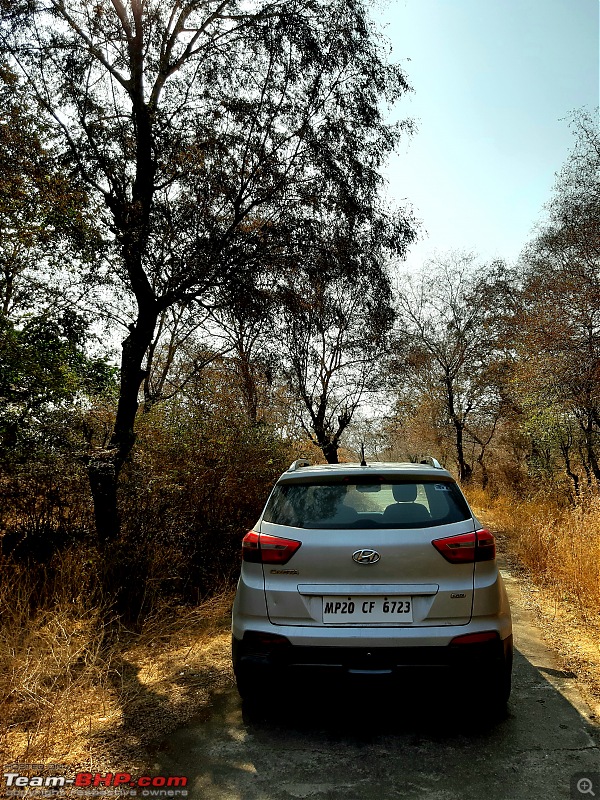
pixel 405 492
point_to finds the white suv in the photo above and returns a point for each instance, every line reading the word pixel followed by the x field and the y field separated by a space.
pixel 370 570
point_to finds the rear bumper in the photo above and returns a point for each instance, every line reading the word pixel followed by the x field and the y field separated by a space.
pixel 264 659
pixel 371 636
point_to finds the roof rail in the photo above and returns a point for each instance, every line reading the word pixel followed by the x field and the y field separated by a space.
pixel 299 462
pixel 432 462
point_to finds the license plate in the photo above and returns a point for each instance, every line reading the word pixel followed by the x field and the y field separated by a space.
pixel 361 608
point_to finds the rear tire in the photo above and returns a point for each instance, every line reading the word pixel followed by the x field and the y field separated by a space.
pixel 501 684
pixel 502 688
pixel 249 684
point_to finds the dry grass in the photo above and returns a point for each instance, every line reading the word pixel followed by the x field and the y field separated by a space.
pixel 82 690
pixel 559 547
pixel 557 552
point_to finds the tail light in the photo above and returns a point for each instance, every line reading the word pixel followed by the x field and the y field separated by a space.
pixel 262 548
pixel 486 546
pixel 467 547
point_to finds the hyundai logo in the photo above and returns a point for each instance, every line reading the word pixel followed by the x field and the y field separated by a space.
pixel 366 556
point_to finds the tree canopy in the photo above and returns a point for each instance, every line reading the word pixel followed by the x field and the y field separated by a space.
pixel 214 139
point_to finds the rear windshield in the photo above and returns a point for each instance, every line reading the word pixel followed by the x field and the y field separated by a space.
pixel 355 504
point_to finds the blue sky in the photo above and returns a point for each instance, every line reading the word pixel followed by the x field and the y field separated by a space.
pixel 495 82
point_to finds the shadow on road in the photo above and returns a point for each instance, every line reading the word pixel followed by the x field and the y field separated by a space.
pixel 365 708
pixel 427 739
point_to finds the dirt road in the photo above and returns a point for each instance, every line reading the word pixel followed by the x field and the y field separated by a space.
pixel 371 744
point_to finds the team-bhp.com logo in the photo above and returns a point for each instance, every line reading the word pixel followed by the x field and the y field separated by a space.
pixel 87 783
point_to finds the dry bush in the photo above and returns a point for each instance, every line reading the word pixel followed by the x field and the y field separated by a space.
pixel 53 661
pixel 78 687
pixel 197 482
pixel 558 544
pixel 101 652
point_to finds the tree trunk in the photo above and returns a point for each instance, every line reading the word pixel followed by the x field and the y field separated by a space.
pixel 565 450
pixel 330 451
pixel 589 446
pixel 132 220
pixel 249 388
pixel 103 476
pixel 464 469
pixel 586 467
pixel 104 468
pixel 484 473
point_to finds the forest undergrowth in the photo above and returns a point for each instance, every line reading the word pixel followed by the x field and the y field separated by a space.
pixel 553 547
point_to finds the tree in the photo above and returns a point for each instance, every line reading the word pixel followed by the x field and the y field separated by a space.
pixel 335 339
pixel 572 229
pixel 244 322
pixel 46 222
pixel 202 130
pixel 560 324
pixel 177 354
pixel 43 368
pixel 447 350
pixel 46 227
pixel 559 317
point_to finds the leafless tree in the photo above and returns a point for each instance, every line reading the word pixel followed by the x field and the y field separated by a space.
pixel 447 349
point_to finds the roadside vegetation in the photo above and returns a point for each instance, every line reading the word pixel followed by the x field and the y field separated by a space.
pixel 199 283
pixel 84 690
pixel 559 546
pixel 554 549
